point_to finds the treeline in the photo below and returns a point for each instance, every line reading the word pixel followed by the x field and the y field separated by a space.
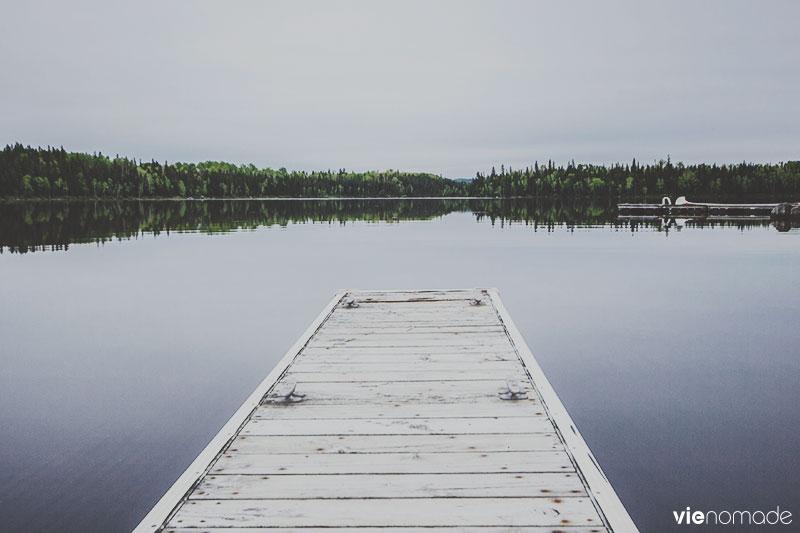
pixel 640 181
pixel 27 172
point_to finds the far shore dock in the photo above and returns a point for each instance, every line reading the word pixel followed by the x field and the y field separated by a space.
pixel 705 210
pixel 398 411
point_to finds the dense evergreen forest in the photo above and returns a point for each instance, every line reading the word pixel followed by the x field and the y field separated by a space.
pixel 638 181
pixel 27 172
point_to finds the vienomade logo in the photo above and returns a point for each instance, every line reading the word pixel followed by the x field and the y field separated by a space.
pixel 755 518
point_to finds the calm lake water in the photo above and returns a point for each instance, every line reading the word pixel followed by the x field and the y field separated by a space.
pixel 132 331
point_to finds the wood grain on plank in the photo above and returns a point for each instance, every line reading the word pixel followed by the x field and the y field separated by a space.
pixel 272 444
pixel 392 463
pixel 416 295
pixel 545 485
pixel 518 529
pixel 386 365
pixel 465 337
pixel 443 512
pixel 395 322
pixel 400 426
pixel 356 375
pixel 410 410
pixel 333 354
pixel 374 392
pixel 338 356
pixel 415 329
pixel 408 341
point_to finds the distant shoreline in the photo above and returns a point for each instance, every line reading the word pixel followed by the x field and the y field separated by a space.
pixel 781 197
pixel 257 198
pixel 54 173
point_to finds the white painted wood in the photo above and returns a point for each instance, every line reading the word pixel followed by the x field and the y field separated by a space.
pixel 429 311
pixel 389 512
pixel 399 376
pixel 356 355
pixel 338 353
pixel 410 391
pixel 427 321
pixel 384 295
pixel 358 329
pixel 363 317
pixel 516 529
pixel 400 426
pixel 391 367
pixel 546 485
pixel 456 306
pixel 342 335
pixel 162 509
pixel 416 295
pixel 392 463
pixel 415 410
pixel 474 314
pixel 516 442
pixel 600 488
pixel 413 302
pixel 431 308
pixel 366 316
pixel 400 342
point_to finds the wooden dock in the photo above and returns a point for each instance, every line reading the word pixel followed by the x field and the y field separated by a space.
pixel 398 410
pixel 695 210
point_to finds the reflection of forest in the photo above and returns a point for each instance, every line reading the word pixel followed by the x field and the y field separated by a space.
pixel 42 225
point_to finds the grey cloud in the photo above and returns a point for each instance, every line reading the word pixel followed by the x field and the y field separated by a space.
pixel 450 87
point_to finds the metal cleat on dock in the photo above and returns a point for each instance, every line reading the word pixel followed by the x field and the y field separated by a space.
pixel 286 393
pixel 401 417
pixel 350 303
pixel 513 391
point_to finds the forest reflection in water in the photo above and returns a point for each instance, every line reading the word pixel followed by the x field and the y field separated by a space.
pixel 54 225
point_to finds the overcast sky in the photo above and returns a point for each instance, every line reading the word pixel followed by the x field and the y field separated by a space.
pixel 449 87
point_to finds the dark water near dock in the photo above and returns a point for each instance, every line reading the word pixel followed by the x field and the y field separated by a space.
pixel 135 329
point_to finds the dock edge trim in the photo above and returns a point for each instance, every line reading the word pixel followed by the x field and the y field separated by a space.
pixel 160 514
pixel 608 502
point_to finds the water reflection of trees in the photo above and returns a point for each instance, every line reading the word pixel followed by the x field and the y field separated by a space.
pixel 39 225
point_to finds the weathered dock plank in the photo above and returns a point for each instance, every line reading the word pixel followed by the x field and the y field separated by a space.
pixel 413 443
pixel 423 512
pixel 387 365
pixel 523 529
pixel 392 463
pixel 352 375
pixel 357 328
pixel 338 486
pixel 377 411
pixel 401 426
pixel 342 356
pixel 398 422
pixel 336 392
pixel 347 354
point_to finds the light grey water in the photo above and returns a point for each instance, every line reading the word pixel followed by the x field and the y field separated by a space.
pixel 677 354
